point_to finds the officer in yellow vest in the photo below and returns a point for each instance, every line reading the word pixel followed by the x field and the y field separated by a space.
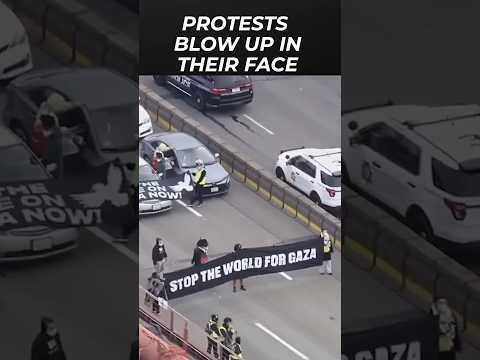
pixel 448 338
pixel 237 350
pixel 200 179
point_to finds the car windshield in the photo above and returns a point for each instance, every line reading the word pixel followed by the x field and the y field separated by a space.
pixel 331 180
pixel 230 81
pixel 114 127
pixel 18 164
pixel 186 158
pixel 455 182
pixel 146 173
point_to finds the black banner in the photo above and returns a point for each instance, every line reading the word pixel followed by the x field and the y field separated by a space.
pixel 414 338
pixel 59 204
pixel 170 188
pixel 245 263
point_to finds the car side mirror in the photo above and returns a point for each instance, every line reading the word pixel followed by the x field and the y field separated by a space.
pixel 353 125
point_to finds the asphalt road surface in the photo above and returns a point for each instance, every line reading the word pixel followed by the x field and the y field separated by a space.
pixel 91 292
pixel 287 111
pixel 304 312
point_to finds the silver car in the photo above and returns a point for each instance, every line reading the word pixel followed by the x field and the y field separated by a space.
pixel 18 164
pixel 153 206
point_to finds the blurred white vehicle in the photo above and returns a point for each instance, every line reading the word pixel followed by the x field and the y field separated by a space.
pixel 15 53
pixel 153 206
pixel 18 164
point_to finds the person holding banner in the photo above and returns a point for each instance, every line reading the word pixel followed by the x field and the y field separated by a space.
pixel 448 337
pixel 237 249
pixel 327 253
pixel 200 252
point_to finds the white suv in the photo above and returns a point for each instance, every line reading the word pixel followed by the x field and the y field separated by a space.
pixel 422 162
pixel 315 172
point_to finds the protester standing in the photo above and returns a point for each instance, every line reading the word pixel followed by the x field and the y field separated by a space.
pixel 449 340
pixel 214 335
pixel 159 256
pixel 47 345
pixel 199 180
pixel 237 249
pixel 200 253
pixel 327 253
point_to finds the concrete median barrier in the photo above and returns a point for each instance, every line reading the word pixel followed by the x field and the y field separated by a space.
pixel 379 242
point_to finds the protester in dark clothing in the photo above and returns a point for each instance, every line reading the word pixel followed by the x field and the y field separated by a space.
pixel 159 256
pixel 54 153
pixel 237 249
pixel 449 341
pixel 200 252
pixel 47 345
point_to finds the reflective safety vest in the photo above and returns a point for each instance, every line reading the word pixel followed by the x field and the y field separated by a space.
pixel 237 352
pixel 201 177
pixel 212 329
pixel 327 247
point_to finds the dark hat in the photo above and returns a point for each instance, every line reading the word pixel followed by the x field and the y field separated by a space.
pixel 202 242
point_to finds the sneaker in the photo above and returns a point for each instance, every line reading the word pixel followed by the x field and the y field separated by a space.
pixel 330 273
pixel 322 273
pixel 243 288
pixel 199 205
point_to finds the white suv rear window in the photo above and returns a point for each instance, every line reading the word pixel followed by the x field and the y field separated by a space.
pixel 455 182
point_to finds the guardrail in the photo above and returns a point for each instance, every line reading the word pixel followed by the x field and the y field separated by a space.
pixel 415 266
pixel 192 336
pixel 83 31
pixel 245 170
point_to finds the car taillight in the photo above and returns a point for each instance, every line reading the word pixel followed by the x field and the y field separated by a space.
pixel 219 91
pixel 459 210
pixel 246 86
pixel 331 192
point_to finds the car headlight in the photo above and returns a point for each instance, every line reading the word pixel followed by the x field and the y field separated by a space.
pixel 18 39
pixel 224 181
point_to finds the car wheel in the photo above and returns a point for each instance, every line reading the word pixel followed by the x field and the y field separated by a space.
pixel 315 198
pixel 20 132
pixel 419 223
pixel 160 79
pixel 199 100
pixel 280 174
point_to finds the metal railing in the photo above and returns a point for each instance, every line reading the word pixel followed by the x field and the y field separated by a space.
pixel 192 336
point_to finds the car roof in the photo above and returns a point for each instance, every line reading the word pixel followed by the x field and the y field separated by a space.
pixel 453 131
pixel 328 159
pixel 8 138
pixel 95 88
pixel 176 140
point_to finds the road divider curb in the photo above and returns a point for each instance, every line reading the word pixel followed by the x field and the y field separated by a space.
pixel 377 241
pixel 242 168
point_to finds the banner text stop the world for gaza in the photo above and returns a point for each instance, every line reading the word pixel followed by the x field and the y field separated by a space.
pixel 245 263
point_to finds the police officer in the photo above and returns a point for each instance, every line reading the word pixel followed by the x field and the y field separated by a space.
pixel 449 340
pixel 327 253
pixel 226 331
pixel 237 249
pixel 237 350
pixel 214 335
pixel 200 179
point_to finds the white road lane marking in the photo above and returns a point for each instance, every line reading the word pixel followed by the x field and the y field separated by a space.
pixel 111 241
pixel 286 276
pixel 258 124
pixel 281 341
pixel 193 211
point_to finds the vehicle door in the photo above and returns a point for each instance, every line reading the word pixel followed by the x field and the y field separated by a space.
pixel 21 112
pixel 181 82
